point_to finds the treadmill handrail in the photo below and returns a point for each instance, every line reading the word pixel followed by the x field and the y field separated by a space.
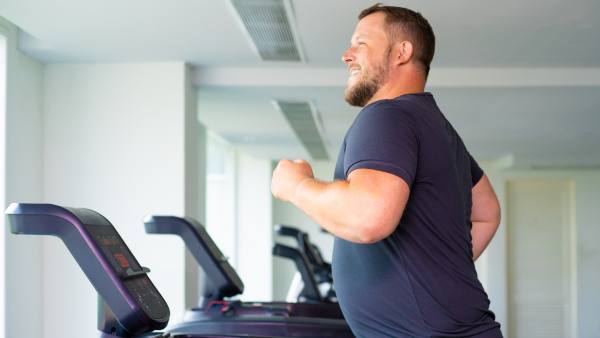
pixel 222 278
pixel 310 291
pixel 303 242
pixel 287 231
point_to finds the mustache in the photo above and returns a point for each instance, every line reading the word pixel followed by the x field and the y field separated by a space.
pixel 354 65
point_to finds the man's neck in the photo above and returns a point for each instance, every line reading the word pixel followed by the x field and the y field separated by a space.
pixel 394 88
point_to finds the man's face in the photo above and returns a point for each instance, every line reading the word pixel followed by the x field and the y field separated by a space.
pixel 367 59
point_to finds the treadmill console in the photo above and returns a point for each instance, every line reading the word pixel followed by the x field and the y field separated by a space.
pixel 133 276
pixel 105 259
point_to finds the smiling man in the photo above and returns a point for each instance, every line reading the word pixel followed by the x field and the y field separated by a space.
pixel 410 208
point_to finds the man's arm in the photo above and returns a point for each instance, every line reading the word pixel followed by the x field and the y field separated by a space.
pixel 364 209
pixel 485 215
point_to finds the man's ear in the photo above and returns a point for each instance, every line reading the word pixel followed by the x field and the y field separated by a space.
pixel 402 52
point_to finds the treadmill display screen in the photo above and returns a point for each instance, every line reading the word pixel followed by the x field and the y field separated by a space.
pixel 113 248
pixel 127 267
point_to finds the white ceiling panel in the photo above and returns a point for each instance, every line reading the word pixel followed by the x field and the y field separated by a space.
pixel 512 33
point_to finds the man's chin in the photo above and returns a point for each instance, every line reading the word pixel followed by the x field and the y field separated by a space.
pixel 358 96
pixel 351 100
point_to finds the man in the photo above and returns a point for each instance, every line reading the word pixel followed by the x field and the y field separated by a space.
pixel 410 208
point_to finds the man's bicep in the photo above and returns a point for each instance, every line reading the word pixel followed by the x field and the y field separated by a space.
pixel 485 203
pixel 384 193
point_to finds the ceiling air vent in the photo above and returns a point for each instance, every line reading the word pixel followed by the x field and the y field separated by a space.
pixel 269 24
pixel 306 123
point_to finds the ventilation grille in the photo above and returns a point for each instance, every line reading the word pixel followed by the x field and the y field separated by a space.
pixel 269 29
pixel 301 118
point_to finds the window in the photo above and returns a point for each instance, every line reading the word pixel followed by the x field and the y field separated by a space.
pixel 220 195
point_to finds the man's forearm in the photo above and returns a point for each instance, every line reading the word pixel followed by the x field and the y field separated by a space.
pixel 335 207
pixel 485 215
pixel 481 235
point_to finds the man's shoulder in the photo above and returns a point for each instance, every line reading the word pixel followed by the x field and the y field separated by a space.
pixel 388 104
pixel 387 112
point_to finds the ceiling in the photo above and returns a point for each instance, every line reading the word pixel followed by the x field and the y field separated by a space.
pixel 516 78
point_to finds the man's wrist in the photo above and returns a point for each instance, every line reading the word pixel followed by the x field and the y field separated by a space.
pixel 298 188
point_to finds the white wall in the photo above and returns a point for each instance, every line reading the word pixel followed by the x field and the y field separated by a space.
pixel 115 142
pixel 587 257
pixel 23 173
pixel 254 226
pixel 288 214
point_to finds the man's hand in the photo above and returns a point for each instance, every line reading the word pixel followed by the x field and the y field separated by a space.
pixel 287 176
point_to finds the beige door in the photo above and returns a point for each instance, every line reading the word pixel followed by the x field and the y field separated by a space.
pixel 541 261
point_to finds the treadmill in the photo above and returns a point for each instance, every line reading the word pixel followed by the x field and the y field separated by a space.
pixel 130 305
pixel 316 315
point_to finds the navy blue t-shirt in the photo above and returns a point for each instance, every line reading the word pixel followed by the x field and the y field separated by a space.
pixel 421 280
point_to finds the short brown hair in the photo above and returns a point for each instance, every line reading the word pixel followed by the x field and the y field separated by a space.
pixel 408 24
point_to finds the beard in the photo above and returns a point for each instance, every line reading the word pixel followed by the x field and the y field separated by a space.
pixel 366 86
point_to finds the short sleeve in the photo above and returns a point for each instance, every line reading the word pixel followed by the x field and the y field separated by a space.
pixel 383 137
pixel 476 171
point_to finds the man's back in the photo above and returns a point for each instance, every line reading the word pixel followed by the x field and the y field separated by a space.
pixel 421 280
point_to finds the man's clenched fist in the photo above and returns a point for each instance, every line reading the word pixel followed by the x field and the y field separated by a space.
pixel 287 176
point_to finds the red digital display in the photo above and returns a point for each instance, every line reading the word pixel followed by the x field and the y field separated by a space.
pixel 123 262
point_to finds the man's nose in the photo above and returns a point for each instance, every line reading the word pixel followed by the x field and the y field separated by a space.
pixel 348 56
